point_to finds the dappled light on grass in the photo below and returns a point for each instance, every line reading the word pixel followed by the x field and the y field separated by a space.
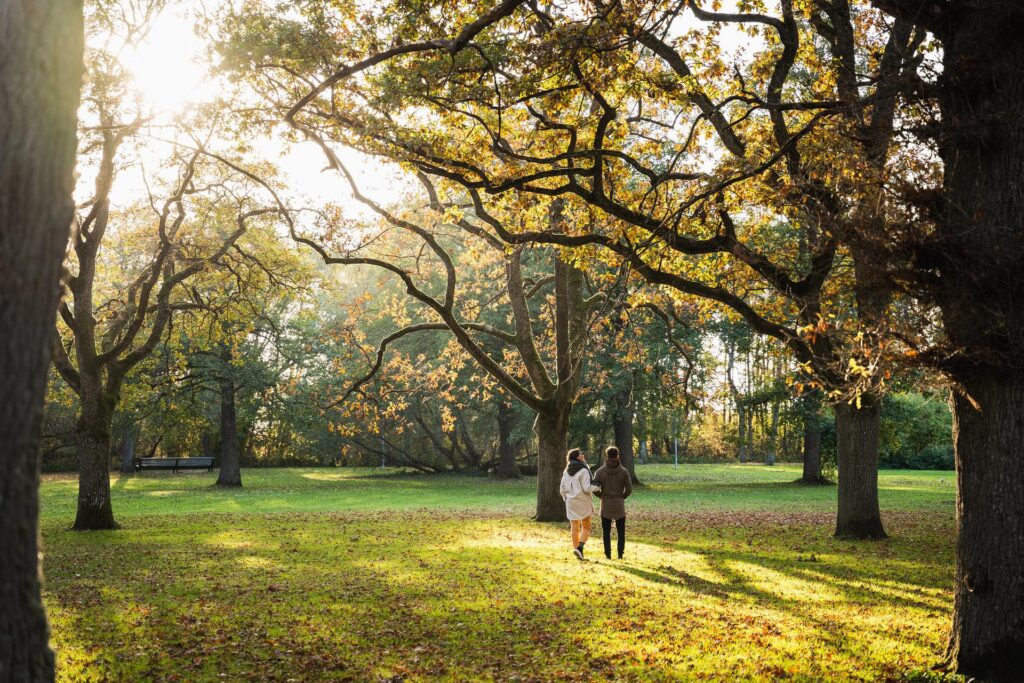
pixel 780 585
pixel 312 589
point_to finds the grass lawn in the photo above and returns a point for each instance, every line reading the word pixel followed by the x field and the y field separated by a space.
pixel 358 575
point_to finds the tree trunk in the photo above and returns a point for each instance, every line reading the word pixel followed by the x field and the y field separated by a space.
pixel 642 439
pixel 773 435
pixel 128 451
pixel 981 268
pixel 552 428
pixel 230 473
pixel 507 467
pixel 812 442
pixel 40 83
pixel 622 428
pixel 987 638
pixel 742 434
pixel 750 432
pixel 857 456
pixel 741 413
pixel 92 438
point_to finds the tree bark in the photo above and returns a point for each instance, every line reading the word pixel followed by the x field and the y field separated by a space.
pixel 552 428
pixel 622 428
pixel 507 467
pixel 230 473
pixel 981 268
pixel 812 442
pixel 987 638
pixel 92 438
pixel 750 433
pixel 128 451
pixel 741 412
pixel 741 434
pixel 40 80
pixel 773 435
pixel 857 455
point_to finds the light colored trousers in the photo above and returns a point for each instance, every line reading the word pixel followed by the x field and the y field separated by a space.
pixel 580 530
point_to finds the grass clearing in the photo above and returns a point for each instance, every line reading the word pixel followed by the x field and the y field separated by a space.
pixel 358 575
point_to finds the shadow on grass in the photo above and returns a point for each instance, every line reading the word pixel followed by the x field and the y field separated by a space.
pixel 332 596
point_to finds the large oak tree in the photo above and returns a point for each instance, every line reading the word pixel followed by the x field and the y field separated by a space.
pixel 969 261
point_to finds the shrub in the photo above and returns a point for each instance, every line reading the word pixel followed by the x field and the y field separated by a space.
pixel 916 433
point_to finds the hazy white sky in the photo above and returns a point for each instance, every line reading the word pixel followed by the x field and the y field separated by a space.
pixel 170 74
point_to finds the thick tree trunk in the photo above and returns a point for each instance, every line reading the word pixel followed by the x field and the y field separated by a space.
pixel 92 438
pixel 812 443
pixel 857 456
pixel 981 266
pixel 230 473
pixel 40 81
pixel 507 467
pixel 622 428
pixel 128 451
pixel 988 621
pixel 552 429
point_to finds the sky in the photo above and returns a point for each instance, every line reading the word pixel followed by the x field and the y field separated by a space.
pixel 169 74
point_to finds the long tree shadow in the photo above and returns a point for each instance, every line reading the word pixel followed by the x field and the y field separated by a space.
pixel 860 586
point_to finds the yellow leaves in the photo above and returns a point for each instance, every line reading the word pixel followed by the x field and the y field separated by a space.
pixel 447 420
pixel 453 214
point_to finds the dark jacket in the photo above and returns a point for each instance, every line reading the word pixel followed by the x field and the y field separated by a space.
pixel 615 489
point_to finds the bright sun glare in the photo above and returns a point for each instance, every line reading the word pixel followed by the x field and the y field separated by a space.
pixel 166 68
pixel 169 71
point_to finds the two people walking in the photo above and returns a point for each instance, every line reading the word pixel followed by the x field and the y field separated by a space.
pixel 611 483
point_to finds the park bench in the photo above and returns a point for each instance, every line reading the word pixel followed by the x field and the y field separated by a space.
pixel 200 463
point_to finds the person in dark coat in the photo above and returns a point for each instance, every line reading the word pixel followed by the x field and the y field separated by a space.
pixel 616 486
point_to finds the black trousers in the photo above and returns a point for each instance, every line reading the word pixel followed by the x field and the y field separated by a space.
pixel 620 533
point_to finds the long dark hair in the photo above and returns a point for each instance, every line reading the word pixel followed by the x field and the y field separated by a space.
pixel 574 454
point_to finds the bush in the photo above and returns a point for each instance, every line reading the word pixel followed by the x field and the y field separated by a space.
pixel 936 457
pixel 916 433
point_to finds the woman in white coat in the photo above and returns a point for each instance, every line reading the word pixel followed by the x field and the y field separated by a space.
pixel 576 488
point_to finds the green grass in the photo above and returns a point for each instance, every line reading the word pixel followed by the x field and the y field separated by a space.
pixel 358 575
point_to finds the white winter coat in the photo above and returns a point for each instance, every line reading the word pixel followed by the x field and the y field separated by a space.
pixel 576 492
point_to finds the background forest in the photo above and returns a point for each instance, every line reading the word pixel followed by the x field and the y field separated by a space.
pixel 708 392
